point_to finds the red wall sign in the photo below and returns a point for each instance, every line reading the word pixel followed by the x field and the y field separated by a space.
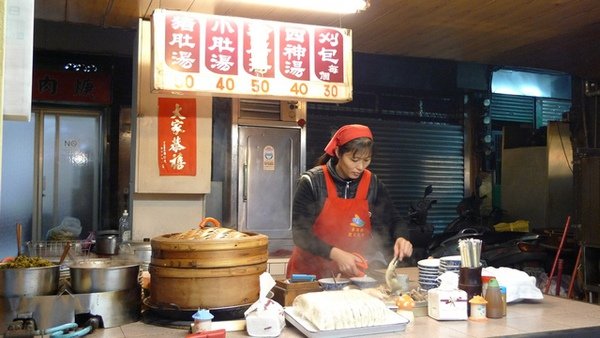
pixel 177 137
pixel 229 56
pixel 71 87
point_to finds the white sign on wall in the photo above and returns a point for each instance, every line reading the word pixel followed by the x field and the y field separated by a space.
pixel 18 62
pixel 229 56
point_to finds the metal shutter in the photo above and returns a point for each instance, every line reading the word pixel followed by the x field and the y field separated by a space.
pixel 408 157
pixel 512 108
pixel 551 110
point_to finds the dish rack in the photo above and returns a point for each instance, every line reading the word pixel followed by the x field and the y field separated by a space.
pixel 54 249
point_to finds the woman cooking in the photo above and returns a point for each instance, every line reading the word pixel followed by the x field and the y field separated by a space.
pixel 342 212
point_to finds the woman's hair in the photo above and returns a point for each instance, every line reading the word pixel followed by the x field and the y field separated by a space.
pixel 354 146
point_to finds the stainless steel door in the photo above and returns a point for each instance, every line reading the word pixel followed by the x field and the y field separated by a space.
pixel 269 164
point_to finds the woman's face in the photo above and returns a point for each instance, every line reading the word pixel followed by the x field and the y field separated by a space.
pixel 351 164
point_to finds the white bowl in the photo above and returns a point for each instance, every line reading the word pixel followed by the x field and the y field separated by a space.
pixel 328 283
pixel 364 282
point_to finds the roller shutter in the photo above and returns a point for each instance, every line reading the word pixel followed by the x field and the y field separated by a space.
pixel 409 156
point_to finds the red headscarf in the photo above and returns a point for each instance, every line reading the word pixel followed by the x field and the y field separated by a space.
pixel 346 134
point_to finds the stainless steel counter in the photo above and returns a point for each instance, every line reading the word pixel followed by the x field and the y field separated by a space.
pixel 561 316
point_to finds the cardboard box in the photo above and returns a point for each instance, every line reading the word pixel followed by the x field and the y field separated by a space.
pixel 285 292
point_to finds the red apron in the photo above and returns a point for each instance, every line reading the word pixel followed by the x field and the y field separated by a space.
pixel 343 223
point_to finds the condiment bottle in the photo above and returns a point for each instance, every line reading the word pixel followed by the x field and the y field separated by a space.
pixel 478 305
pixel 202 321
pixel 493 297
pixel 484 283
pixel 503 293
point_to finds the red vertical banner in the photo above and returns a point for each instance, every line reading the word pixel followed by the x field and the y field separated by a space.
pixel 294 53
pixel 221 45
pixel 177 136
pixel 182 43
pixel 329 55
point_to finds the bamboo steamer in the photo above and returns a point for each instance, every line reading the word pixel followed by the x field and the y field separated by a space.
pixel 211 273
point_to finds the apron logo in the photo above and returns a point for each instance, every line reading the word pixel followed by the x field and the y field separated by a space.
pixel 356 227
pixel 357 221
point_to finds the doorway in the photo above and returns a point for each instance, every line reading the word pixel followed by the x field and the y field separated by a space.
pixel 51 171
pixel 269 164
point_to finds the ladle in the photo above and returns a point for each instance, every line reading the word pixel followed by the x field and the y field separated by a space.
pixel 65 252
pixel 19 239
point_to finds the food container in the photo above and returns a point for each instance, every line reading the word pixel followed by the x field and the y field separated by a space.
pixel 208 273
pixel 329 284
pixel 29 282
pixel 285 292
pixel 98 275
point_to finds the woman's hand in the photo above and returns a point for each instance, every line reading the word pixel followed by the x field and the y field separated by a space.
pixel 402 248
pixel 346 261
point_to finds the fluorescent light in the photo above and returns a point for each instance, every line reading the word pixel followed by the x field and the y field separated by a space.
pixel 330 6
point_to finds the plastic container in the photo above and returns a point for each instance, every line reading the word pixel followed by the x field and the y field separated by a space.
pixel 125 227
pixel 493 297
pixel 503 293
pixel 202 321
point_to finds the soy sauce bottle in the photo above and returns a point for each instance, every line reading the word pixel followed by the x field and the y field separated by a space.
pixel 495 306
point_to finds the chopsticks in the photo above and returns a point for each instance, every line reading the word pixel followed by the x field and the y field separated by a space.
pixel 470 252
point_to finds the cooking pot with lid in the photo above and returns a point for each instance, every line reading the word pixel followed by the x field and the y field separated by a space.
pixel 107 242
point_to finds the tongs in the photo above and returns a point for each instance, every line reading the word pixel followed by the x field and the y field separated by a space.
pixel 390 276
pixel 362 264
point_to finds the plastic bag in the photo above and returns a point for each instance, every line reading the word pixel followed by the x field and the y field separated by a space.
pixel 69 228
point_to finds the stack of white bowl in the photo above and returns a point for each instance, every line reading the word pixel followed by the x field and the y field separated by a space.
pixel 449 263
pixel 428 273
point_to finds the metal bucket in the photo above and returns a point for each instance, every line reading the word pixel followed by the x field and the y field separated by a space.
pixel 103 276
pixel 29 282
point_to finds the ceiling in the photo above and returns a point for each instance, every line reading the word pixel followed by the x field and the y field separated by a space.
pixel 561 35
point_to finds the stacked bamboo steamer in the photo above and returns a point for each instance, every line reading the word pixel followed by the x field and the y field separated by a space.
pixel 204 267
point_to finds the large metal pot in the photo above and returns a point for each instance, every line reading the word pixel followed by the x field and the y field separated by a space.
pixel 103 276
pixel 29 282
pixel 137 251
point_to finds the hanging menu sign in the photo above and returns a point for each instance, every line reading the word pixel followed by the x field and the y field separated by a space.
pixel 229 56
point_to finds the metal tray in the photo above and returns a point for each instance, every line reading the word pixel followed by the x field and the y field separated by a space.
pixel 393 323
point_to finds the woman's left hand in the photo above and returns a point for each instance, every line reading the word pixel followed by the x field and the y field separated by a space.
pixel 402 248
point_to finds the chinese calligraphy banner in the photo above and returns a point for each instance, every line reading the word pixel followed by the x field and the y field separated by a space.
pixel 229 56
pixel 177 136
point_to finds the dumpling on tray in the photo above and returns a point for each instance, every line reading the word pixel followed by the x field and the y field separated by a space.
pixel 343 309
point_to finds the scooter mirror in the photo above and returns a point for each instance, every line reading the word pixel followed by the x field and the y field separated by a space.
pixel 428 190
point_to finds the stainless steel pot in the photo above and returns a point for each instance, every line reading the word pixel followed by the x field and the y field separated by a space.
pixel 140 252
pixel 107 242
pixel 29 282
pixel 103 276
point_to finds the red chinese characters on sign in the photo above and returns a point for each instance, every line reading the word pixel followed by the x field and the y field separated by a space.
pixel 177 136
pixel 182 36
pixel 259 56
pixel 240 57
pixel 221 45
pixel 329 55
pixel 293 53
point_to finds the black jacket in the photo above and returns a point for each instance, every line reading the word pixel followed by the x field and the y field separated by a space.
pixel 311 192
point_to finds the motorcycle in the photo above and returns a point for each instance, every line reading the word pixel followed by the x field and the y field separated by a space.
pixel 420 231
pixel 508 249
